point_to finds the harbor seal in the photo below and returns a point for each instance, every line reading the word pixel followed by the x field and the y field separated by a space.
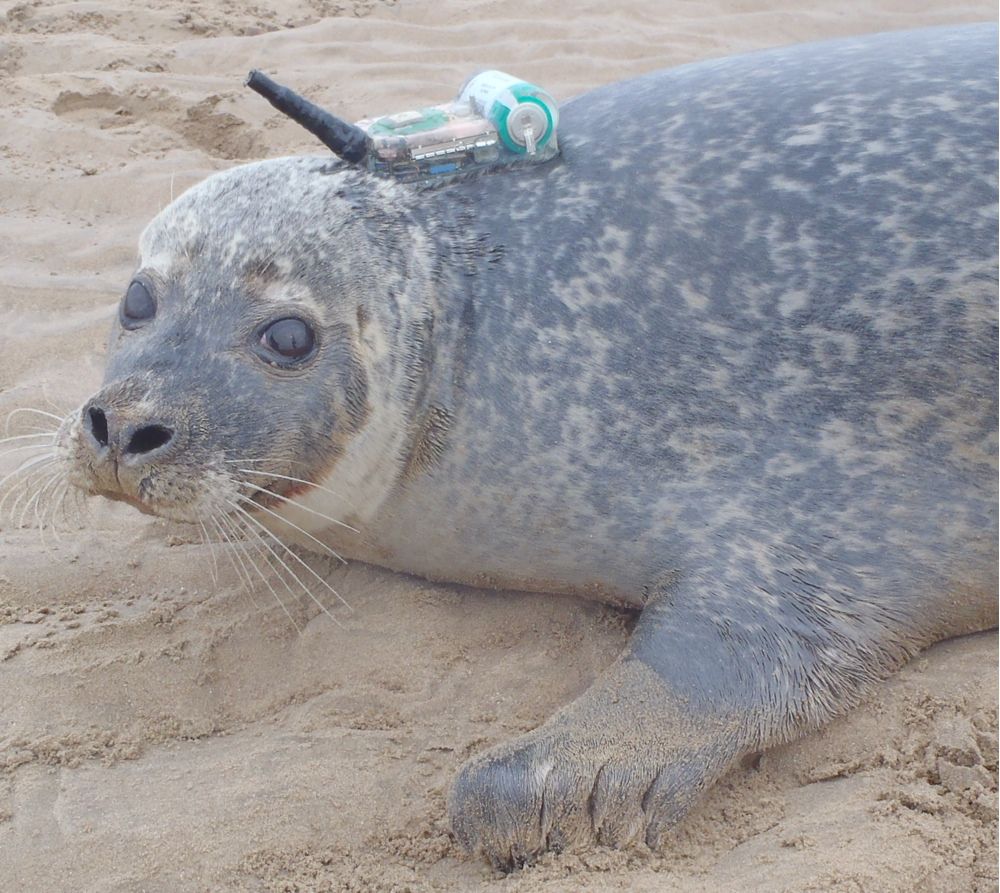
pixel 730 360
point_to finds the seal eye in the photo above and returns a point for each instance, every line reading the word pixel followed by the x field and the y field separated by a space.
pixel 290 338
pixel 138 305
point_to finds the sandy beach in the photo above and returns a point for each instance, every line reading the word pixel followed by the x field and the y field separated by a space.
pixel 162 729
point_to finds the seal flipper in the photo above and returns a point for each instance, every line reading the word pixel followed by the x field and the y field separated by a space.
pixel 619 765
pixel 709 675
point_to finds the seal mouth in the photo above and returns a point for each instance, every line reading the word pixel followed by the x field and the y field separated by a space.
pixel 135 501
pixel 189 511
pixel 261 501
pixel 273 492
pixel 276 496
pixel 173 493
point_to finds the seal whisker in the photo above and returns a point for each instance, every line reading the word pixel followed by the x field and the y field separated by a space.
pixel 58 499
pixel 24 467
pixel 246 550
pixel 49 434
pixel 235 554
pixel 24 490
pixel 53 404
pixel 242 544
pixel 266 554
pixel 27 462
pixel 24 448
pixel 274 514
pixel 265 532
pixel 78 500
pixel 231 535
pixel 207 540
pixel 285 477
pixel 41 502
pixel 25 494
pixel 22 478
pixel 304 508
pixel 33 501
pixel 237 460
pixel 42 412
pixel 259 535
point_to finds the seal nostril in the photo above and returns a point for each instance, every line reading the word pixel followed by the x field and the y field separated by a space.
pixel 99 426
pixel 147 439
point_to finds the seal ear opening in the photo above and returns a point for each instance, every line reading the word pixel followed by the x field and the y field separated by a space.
pixel 345 140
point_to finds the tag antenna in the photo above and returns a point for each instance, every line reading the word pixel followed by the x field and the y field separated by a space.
pixel 345 140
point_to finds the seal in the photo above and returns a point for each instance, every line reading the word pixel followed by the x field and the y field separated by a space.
pixel 730 360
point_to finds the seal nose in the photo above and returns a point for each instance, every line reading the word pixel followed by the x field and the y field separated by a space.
pixel 131 441
pixel 95 421
pixel 147 439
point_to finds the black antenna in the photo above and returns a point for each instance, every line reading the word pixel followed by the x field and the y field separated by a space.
pixel 341 138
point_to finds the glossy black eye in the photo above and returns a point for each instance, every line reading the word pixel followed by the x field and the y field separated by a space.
pixel 138 305
pixel 290 338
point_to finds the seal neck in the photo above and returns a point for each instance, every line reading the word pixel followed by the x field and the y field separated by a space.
pixel 407 345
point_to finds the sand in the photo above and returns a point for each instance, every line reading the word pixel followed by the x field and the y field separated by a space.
pixel 163 732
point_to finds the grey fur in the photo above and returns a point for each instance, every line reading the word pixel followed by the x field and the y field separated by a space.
pixel 731 360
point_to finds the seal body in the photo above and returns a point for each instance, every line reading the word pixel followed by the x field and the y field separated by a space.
pixel 731 360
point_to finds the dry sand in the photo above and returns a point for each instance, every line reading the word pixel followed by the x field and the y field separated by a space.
pixel 160 732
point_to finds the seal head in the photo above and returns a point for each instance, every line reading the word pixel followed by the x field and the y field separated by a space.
pixel 253 336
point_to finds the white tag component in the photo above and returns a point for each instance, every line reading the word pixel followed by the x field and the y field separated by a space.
pixel 513 105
